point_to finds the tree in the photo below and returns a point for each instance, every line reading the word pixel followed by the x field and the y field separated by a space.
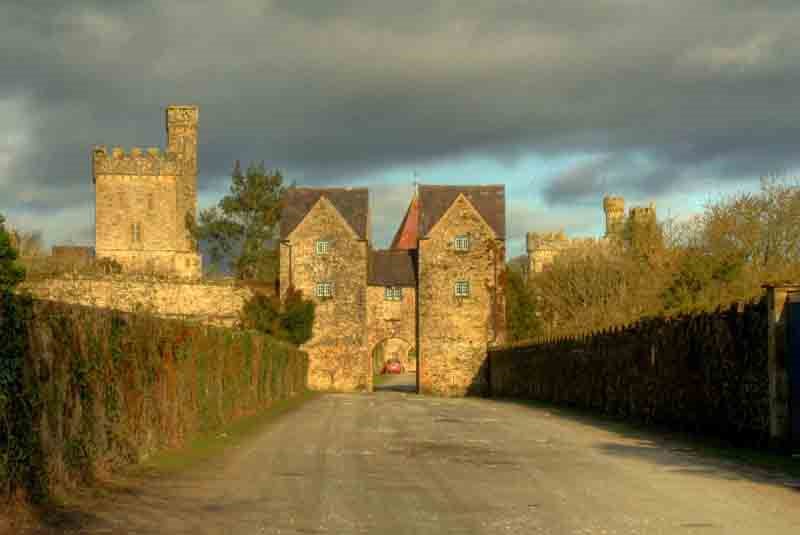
pixel 11 273
pixel 521 316
pixel 242 227
pixel 293 321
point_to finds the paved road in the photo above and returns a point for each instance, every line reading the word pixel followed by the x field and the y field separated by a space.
pixel 395 463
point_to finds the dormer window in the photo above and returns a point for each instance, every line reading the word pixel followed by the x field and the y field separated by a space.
pixel 322 247
pixel 462 243
pixel 393 293
pixel 462 288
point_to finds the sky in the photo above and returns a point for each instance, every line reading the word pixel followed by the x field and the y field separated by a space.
pixel 674 102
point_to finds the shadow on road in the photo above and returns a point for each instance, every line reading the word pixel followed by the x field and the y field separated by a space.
pixel 405 382
pixel 680 452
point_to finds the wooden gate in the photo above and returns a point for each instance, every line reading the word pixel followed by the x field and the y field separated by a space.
pixel 793 365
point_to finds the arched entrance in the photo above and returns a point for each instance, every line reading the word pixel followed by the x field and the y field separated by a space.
pixel 394 349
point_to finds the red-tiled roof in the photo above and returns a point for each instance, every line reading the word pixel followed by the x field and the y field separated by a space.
pixel 406 236
pixel 352 204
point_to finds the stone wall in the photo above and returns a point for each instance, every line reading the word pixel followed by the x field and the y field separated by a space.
pixel 392 320
pixel 215 302
pixel 704 372
pixel 114 388
pixel 142 198
pixel 454 331
pixel 338 353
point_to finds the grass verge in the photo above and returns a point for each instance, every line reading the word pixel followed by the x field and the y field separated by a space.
pixel 212 447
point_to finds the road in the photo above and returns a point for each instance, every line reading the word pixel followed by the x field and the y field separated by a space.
pixel 397 463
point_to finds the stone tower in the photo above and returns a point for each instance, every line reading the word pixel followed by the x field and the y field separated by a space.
pixel 142 198
pixel 643 215
pixel 182 141
pixel 614 208
pixel 543 248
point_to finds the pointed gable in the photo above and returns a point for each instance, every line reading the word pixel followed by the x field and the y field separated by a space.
pixel 406 236
pixel 351 203
pixel 489 201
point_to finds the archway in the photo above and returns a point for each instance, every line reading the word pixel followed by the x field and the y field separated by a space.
pixel 394 349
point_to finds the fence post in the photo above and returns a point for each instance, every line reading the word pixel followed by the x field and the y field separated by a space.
pixel 779 396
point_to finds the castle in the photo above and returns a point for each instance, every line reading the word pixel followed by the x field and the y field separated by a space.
pixel 434 299
pixel 437 291
pixel 543 248
pixel 142 199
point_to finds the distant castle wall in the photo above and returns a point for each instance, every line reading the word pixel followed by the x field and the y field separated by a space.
pixel 211 302
pixel 544 247
pixel 143 197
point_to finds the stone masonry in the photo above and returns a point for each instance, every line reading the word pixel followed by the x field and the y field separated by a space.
pixel 143 197
pixel 453 330
pixel 401 300
pixel 338 353
pixel 544 247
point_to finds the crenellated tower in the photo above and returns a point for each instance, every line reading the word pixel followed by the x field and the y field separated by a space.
pixel 182 141
pixel 142 198
pixel 614 208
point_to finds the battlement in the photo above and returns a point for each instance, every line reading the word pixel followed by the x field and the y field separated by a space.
pixel 182 115
pixel 152 162
pixel 540 240
pixel 643 213
pixel 613 204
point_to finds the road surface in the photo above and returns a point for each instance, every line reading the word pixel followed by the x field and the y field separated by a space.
pixel 397 463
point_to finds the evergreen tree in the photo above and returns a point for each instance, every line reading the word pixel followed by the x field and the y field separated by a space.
pixel 242 228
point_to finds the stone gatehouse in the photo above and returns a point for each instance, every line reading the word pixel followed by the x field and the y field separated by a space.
pixel 434 298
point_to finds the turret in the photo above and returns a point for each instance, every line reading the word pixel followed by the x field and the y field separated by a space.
pixel 182 134
pixel 614 208
pixel 182 142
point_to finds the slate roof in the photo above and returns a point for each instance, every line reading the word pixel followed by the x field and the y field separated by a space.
pixel 489 201
pixel 352 204
pixel 392 268
pixel 406 237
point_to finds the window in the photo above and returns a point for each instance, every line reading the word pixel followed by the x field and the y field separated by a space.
pixel 136 232
pixel 462 288
pixel 150 202
pixel 393 293
pixel 322 246
pixel 462 243
pixel 324 289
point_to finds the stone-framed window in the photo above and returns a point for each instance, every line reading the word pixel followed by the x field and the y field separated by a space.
pixel 393 293
pixel 322 247
pixel 151 202
pixel 136 232
pixel 461 243
pixel 462 288
pixel 324 289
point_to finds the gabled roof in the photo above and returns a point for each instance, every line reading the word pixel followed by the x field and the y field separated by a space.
pixel 392 268
pixel 489 201
pixel 406 236
pixel 352 204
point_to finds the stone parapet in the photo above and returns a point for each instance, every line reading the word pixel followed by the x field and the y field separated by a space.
pixel 152 162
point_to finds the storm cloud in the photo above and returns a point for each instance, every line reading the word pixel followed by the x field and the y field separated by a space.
pixel 651 95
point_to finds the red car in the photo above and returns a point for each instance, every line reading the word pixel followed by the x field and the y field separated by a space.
pixel 392 366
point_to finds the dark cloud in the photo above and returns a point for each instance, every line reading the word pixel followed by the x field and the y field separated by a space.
pixel 664 93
